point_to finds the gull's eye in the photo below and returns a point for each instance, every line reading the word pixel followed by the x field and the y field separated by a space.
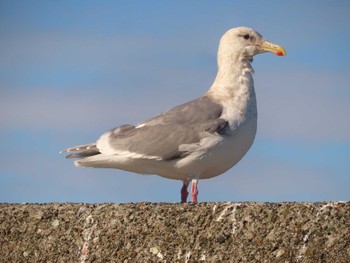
pixel 246 36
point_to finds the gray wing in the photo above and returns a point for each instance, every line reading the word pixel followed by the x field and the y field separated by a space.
pixel 196 111
pixel 159 141
pixel 161 136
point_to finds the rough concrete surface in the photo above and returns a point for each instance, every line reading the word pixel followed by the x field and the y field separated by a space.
pixel 174 232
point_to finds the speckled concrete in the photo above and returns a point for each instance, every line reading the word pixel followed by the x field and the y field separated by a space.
pixel 163 232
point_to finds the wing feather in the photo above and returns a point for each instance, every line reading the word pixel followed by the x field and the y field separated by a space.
pixel 161 142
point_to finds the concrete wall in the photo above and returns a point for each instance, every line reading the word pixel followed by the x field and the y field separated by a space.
pixel 163 232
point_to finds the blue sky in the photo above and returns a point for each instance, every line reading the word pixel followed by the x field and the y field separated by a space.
pixel 71 70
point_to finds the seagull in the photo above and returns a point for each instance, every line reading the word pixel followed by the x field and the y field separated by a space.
pixel 200 139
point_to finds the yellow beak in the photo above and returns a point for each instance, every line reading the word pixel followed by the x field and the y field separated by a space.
pixel 276 49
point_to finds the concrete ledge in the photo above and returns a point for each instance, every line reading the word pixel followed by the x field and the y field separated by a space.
pixel 163 232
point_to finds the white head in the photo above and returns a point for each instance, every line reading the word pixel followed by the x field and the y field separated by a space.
pixel 236 50
pixel 242 43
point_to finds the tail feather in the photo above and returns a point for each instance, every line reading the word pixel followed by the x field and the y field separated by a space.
pixel 82 151
pixel 83 154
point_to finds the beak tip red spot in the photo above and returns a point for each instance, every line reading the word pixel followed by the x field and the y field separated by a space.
pixel 279 53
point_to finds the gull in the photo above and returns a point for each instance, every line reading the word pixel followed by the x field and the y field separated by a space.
pixel 199 139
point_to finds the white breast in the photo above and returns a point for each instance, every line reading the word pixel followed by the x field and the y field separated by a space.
pixel 226 152
pixel 230 150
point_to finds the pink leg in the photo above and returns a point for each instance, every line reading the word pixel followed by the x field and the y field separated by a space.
pixel 194 190
pixel 184 192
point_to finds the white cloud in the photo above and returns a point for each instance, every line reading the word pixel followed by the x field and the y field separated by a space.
pixel 92 110
pixel 304 105
pixel 293 106
pixel 257 178
pixel 142 75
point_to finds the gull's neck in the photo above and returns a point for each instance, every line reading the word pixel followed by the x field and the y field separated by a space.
pixel 233 88
pixel 234 76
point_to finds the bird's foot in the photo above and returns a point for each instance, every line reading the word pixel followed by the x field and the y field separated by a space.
pixel 184 193
pixel 194 190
